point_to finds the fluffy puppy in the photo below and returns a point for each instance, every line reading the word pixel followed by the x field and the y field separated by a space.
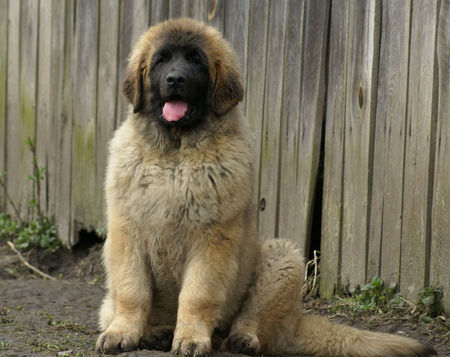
pixel 182 258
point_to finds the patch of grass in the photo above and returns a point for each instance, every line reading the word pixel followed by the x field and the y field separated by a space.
pixel 430 301
pixel 40 346
pixel 377 297
pixel 65 324
pixel 37 233
pixel 4 345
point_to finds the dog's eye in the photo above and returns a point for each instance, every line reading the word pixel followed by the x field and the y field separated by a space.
pixel 163 57
pixel 194 58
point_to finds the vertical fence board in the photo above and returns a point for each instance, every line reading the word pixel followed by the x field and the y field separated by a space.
pixel 27 98
pixel 107 88
pixel 216 13
pixel 159 11
pixel 418 155
pixel 311 117
pixel 359 123
pixel 63 22
pixel 386 204
pixel 270 141
pixel 86 203
pixel 440 242
pixel 290 224
pixel 13 99
pixel 3 77
pixel 257 47
pixel 175 8
pixel 334 151
pixel 45 127
pixel 236 29
pixel 133 23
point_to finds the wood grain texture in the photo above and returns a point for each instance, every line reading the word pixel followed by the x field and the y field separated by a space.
pixel 301 136
pixel 62 44
pixel 45 127
pixel 331 243
pixel 107 89
pixel 362 73
pixel 23 158
pixel 389 146
pixel 257 48
pixel 440 242
pixel 159 11
pixel 216 13
pixel 134 20
pixel 236 30
pixel 270 140
pixel 290 221
pixel 3 93
pixel 86 201
pixel 419 153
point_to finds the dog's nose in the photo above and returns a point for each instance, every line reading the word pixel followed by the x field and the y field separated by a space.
pixel 174 80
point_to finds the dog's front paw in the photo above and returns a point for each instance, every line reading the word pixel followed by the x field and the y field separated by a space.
pixel 242 343
pixel 191 345
pixel 115 341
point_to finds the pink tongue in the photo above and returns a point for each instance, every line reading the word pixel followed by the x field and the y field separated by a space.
pixel 174 111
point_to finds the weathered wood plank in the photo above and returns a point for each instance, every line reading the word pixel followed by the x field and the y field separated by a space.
pixel 257 48
pixel 44 119
pixel 107 89
pixel 440 242
pixel 419 153
pixel 86 202
pixel 236 30
pixel 216 14
pixel 387 194
pixel 331 242
pixel 133 22
pixel 159 11
pixel 175 9
pixel 62 87
pixel 289 220
pixel 301 141
pixel 195 9
pixel 20 159
pixel 3 81
pixel 270 142
pixel 362 73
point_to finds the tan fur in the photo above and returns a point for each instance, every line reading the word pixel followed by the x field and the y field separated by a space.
pixel 182 253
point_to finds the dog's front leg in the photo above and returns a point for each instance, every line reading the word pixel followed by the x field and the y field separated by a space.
pixel 129 290
pixel 210 272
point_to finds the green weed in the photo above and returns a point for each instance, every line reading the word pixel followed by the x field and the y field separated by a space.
pixel 36 233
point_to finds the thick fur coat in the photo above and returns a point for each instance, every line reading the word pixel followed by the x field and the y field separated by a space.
pixel 185 270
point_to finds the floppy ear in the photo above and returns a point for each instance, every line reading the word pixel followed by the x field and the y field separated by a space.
pixel 227 89
pixel 132 85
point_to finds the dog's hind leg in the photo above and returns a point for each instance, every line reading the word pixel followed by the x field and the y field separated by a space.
pixel 273 304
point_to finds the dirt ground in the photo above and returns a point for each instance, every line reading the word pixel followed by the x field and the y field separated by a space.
pixel 59 317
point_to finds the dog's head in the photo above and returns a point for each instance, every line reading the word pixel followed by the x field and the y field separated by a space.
pixel 181 71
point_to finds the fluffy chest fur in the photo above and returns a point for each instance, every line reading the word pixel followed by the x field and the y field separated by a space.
pixel 169 197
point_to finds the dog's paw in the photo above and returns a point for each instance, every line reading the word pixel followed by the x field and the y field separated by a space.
pixel 247 344
pixel 191 346
pixel 111 341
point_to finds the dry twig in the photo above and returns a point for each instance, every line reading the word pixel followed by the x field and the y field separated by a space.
pixel 28 265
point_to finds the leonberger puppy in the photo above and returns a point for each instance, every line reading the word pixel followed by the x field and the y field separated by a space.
pixel 185 270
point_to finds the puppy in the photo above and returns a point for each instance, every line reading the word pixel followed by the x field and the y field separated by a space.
pixel 182 257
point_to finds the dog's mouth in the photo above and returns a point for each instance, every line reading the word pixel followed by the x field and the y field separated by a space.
pixel 174 110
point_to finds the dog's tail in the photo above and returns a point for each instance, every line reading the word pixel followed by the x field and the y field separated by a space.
pixel 317 336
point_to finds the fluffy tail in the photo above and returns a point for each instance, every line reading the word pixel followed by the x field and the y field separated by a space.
pixel 317 336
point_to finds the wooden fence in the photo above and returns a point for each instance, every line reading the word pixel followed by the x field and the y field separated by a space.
pixel 359 86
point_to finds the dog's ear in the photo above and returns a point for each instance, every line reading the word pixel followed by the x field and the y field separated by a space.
pixel 132 85
pixel 227 89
